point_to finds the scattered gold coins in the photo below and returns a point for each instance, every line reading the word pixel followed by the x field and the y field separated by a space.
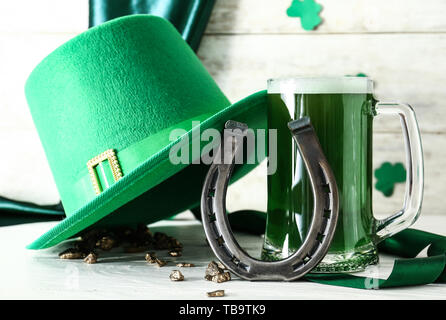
pixel 151 257
pixel 176 275
pixel 175 253
pixel 72 253
pixel 160 263
pixel 185 265
pixel 91 258
pixel 216 274
pixel 216 293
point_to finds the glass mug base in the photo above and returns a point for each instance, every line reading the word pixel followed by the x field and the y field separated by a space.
pixel 351 261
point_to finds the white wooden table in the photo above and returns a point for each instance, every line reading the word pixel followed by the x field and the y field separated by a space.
pixel 26 274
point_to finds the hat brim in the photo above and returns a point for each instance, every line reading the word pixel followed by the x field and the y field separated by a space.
pixel 157 187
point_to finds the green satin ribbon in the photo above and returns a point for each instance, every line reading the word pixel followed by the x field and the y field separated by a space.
pixel 406 244
pixel 189 17
pixel 406 272
pixel 17 212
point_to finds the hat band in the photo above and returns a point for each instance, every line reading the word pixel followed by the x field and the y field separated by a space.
pixel 128 159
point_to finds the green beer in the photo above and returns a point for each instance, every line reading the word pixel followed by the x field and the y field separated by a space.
pixel 341 111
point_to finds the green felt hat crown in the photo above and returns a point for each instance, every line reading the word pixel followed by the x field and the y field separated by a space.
pixel 104 105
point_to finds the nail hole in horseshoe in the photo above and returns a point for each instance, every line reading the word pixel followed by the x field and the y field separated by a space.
pixel 235 260
pixel 327 203
pixel 297 266
pixel 212 218
pixel 239 264
pixel 306 259
pixel 220 241
pixel 213 179
pixel 301 263
pixel 209 202
pixel 326 188
pixel 327 213
pixel 214 229
pixel 320 237
pixel 243 266
pixel 211 192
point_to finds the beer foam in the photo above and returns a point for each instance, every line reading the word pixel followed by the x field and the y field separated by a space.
pixel 320 85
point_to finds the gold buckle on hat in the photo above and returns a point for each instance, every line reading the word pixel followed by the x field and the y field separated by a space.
pixel 114 164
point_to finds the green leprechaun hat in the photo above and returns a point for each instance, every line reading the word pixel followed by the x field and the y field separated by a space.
pixel 105 104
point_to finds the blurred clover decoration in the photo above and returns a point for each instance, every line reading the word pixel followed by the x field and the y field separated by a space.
pixel 387 175
pixel 308 11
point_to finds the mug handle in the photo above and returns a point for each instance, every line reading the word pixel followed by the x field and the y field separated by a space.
pixel 415 171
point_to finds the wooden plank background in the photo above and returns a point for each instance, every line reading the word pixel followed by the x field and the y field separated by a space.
pixel 401 44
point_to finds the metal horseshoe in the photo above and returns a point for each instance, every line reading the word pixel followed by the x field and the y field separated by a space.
pixel 325 211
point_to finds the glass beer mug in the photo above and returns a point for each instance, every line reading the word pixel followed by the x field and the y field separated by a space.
pixel 341 110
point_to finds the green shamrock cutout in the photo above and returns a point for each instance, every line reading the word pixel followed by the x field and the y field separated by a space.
pixel 308 11
pixel 362 75
pixel 387 175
